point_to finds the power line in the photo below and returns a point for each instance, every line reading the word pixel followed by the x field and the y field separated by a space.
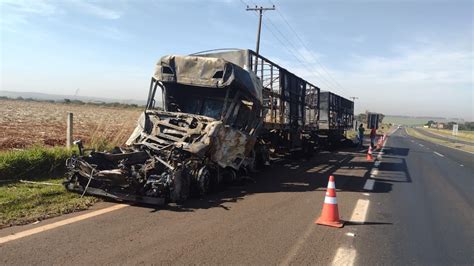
pixel 307 64
pixel 306 47
pixel 295 51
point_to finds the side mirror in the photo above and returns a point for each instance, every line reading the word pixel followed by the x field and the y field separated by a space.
pixel 80 146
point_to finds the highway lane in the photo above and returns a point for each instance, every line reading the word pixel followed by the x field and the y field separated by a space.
pixel 461 157
pixel 269 222
pixel 419 210
pixel 438 136
pixel 430 207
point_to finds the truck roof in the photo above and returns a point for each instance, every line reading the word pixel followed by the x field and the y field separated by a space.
pixel 211 72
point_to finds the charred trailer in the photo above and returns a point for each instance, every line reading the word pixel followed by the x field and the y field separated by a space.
pixel 336 117
pixel 373 120
pixel 198 131
pixel 290 104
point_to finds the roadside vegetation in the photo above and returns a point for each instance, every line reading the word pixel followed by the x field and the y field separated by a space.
pixel 22 203
pixel 33 162
pixel 25 124
pixel 78 102
pixel 412 132
pixel 462 135
pixel 32 157
pixel 30 186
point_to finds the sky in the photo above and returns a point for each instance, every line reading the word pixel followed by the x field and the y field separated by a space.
pixel 402 57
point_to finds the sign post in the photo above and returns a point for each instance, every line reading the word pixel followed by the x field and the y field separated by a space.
pixel 455 129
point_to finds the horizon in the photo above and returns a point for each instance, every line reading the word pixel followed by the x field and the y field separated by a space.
pixel 111 100
pixel 395 57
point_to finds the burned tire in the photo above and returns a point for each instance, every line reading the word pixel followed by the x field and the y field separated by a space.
pixel 204 180
pixel 179 191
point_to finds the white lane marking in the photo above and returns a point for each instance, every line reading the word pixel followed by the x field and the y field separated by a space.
pixel 47 227
pixel 360 211
pixel 344 256
pixel 350 234
pixel 374 172
pixel 439 154
pixel 369 184
pixel 462 165
pixel 366 194
pixel 299 244
pixel 421 145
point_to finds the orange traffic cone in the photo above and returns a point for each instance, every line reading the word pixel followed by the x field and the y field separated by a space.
pixel 330 214
pixel 379 143
pixel 369 154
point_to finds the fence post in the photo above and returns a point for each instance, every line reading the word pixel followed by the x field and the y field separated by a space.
pixel 69 131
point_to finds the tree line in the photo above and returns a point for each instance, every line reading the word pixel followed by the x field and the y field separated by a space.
pixel 449 125
pixel 77 102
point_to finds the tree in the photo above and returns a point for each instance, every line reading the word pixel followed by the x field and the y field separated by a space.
pixel 469 126
pixel 430 123
pixel 449 125
pixel 362 117
pixel 381 117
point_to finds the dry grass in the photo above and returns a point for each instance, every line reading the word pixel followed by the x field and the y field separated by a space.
pixel 24 124
pixel 34 126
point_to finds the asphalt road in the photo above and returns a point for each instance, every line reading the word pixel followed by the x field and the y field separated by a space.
pixel 413 207
pixel 431 205
pixel 448 138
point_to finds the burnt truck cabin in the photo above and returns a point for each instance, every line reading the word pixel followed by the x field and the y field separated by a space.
pixel 199 130
pixel 336 117
pixel 290 104
pixel 209 87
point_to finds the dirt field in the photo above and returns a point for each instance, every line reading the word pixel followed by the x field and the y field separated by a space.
pixel 24 123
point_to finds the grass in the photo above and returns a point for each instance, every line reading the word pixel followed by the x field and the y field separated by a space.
pixel 33 162
pixel 408 121
pixel 22 203
pixel 412 132
pixel 462 135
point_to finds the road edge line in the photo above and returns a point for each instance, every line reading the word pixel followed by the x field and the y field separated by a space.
pixel 57 224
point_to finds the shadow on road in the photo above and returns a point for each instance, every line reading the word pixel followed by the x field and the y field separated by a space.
pixel 349 223
pixel 396 151
pixel 349 166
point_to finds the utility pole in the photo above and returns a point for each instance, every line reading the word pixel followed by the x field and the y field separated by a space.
pixel 260 11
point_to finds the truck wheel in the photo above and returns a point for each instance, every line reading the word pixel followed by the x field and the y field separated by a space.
pixel 179 191
pixel 204 180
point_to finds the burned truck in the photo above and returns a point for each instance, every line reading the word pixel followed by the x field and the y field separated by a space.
pixel 336 117
pixel 290 106
pixel 198 131
pixel 210 118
